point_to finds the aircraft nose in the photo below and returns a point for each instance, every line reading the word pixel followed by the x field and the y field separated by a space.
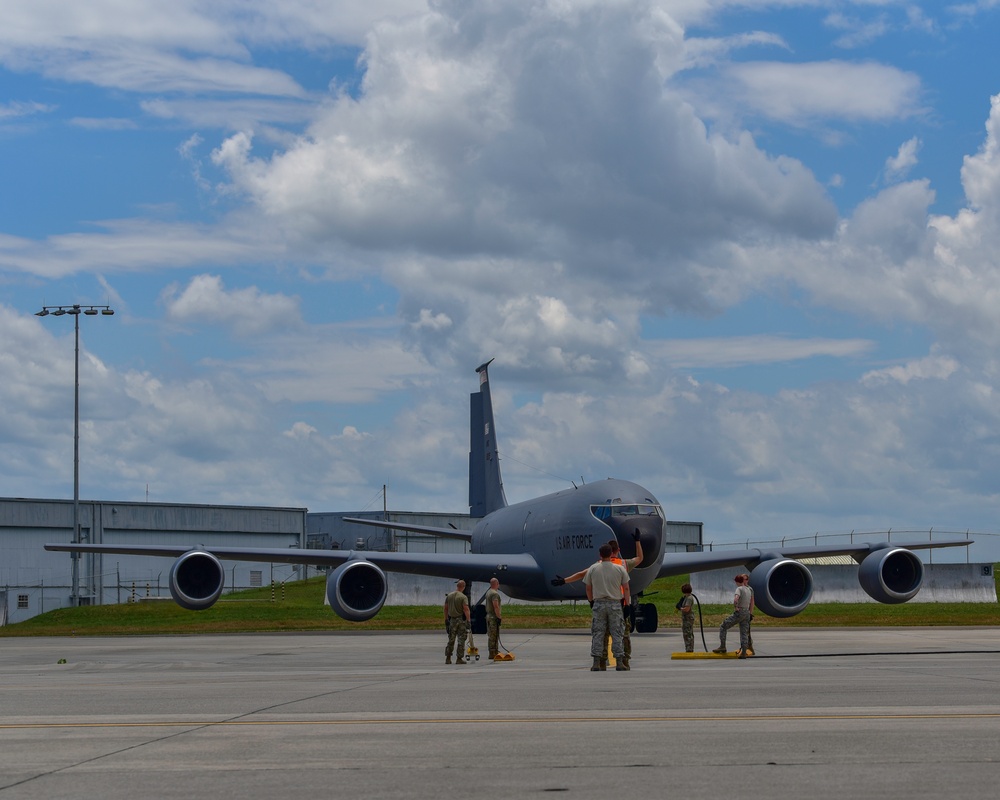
pixel 650 530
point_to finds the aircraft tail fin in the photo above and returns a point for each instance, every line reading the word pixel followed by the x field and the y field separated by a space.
pixel 485 483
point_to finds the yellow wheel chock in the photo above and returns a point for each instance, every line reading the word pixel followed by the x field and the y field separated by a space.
pixel 692 656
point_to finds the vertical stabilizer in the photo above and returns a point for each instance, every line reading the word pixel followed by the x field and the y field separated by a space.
pixel 485 484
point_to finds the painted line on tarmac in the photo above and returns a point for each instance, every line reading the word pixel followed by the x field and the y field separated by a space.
pixel 202 724
pixel 756 657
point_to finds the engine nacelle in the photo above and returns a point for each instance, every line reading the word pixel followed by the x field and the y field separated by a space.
pixel 196 580
pixel 781 587
pixel 891 575
pixel 356 590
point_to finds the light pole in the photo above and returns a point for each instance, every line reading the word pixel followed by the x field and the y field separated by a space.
pixel 90 311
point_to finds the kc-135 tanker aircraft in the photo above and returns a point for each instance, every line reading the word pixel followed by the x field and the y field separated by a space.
pixel 526 545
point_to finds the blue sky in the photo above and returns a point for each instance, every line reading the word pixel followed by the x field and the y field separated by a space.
pixel 742 253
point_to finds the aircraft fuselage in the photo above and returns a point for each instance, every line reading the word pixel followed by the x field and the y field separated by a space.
pixel 565 530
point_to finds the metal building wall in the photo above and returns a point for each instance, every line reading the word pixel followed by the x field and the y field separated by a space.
pixel 327 530
pixel 683 537
pixel 34 580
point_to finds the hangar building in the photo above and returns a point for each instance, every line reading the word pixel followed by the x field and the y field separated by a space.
pixel 34 580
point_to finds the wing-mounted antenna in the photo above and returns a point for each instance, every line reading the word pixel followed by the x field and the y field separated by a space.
pixel 485 483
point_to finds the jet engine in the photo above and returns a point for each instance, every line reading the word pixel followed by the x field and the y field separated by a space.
pixel 891 575
pixel 196 580
pixel 356 590
pixel 781 587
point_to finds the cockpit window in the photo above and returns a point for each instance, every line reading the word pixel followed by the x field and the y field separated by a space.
pixel 606 512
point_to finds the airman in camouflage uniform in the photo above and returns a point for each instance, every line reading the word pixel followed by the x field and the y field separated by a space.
pixel 493 617
pixel 742 611
pixel 457 619
pixel 686 606
pixel 606 582
pixel 629 564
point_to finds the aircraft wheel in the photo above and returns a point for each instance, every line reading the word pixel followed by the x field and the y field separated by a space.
pixel 646 619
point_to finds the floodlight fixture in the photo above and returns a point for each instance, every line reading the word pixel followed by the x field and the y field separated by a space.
pixel 90 311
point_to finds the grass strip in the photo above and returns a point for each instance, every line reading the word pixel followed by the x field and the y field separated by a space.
pixel 301 608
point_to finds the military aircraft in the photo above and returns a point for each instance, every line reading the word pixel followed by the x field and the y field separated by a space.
pixel 527 545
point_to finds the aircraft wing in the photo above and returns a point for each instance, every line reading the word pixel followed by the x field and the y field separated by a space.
pixel 447 533
pixel 513 567
pixel 683 563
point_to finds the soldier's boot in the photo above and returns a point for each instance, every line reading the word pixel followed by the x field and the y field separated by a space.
pixel 719 650
pixel 604 664
pixel 447 660
pixel 597 665
pixel 625 662
pixel 460 660
pixel 743 654
pixel 620 667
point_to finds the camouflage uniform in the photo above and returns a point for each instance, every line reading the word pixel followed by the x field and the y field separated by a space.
pixel 458 627
pixel 607 620
pixel 492 622
pixel 626 612
pixel 687 622
pixel 606 581
pixel 741 616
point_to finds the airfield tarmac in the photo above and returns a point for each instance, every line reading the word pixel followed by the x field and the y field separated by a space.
pixel 879 713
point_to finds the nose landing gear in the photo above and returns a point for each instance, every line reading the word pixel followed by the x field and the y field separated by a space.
pixel 645 619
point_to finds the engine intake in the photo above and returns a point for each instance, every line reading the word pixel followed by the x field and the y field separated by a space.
pixel 781 587
pixel 357 590
pixel 196 580
pixel 891 575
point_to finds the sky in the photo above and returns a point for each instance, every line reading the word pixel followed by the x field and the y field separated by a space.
pixel 742 253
